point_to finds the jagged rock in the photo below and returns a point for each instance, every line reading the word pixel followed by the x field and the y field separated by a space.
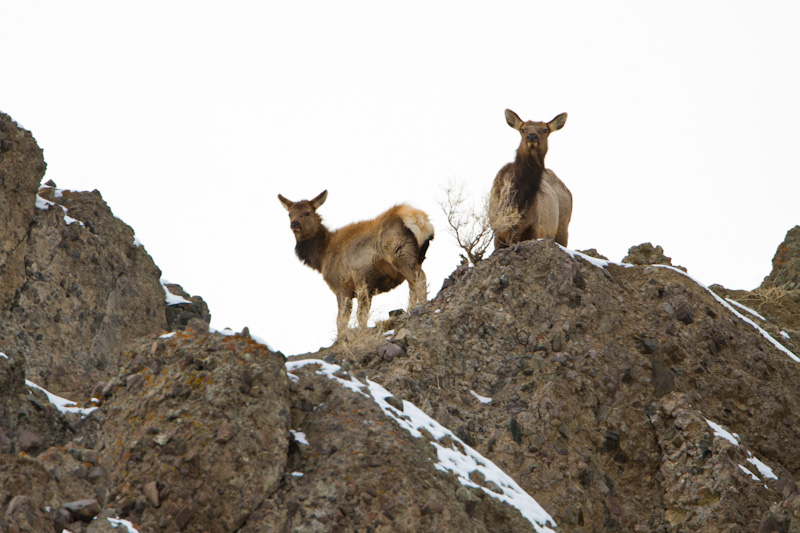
pixel 83 510
pixel 602 348
pixel 786 263
pixel 75 286
pixel 21 169
pixel 216 411
pixel 179 314
pixel 592 252
pixel 647 254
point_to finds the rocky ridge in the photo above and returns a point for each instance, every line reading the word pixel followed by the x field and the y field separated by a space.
pixel 621 398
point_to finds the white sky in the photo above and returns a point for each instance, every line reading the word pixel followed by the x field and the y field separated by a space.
pixel 190 117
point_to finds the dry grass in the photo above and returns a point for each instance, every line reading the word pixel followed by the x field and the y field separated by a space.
pixel 468 224
pixel 504 217
pixel 360 345
pixel 767 295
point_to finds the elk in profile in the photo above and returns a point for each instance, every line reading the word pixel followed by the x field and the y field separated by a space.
pixel 528 201
pixel 364 258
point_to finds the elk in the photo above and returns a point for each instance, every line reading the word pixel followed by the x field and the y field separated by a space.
pixel 528 201
pixel 364 258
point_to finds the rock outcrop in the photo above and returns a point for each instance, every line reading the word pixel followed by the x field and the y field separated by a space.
pixel 786 263
pixel 620 397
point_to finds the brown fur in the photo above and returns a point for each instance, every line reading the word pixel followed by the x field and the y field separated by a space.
pixel 528 201
pixel 364 258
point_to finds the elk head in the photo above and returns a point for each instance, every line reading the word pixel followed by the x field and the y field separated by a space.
pixel 303 218
pixel 534 134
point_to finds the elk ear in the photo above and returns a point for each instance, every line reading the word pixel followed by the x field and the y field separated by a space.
pixel 287 204
pixel 558 122
pixel 319 200
pixel 513 120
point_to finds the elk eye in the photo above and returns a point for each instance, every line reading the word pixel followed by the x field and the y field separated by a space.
pixel 308 213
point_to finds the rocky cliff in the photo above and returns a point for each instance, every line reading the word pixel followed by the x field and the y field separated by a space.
pixel 542 389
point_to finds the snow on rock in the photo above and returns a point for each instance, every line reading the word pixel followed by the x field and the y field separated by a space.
pixel 745 308
pixel 172 299
pixel 457 458
pixel 721 432
pixel 603 263
pixel 43 204
pixel 299 437
pixel 763 469
pixel 758 328
pixel 482 399
pixel 62 404
pixel 228 332
pixel 733 438
pixel 119 522
pixel 748 472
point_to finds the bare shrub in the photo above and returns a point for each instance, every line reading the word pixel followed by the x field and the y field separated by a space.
pixel 766 296
pixel 467 223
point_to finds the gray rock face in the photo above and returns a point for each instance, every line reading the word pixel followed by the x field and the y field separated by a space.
pixel 786 263
pixel 21 169
pixel 75 289
pixel 647 254
pixel 202 437
pixel 599 393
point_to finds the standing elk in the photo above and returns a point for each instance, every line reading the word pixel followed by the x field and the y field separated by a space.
pixel 528 201
pixel 364 258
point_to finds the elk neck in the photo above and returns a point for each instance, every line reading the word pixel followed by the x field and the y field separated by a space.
pixel 311 251
pixel 527 179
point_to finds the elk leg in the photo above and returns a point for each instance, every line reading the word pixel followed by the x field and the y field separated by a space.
pixel 418 289
pixel 562 236
pixel 345 309
pixel 364 303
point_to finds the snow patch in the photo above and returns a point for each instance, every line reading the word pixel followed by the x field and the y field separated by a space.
pixel 299 437
pixel 721 432
pixel 172 299
pixel 117 522
pixel 62 404
pixel 482 399
pixel 297 474
pixel 167 335
pixel 43 204
pixel 745 308
pixel 457 458
pixel 785 335
pixel 763 469
pixel 755 477
pixel 3 355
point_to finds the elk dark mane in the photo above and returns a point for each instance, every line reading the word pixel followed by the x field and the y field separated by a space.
pixel 527 179
pixel 310 251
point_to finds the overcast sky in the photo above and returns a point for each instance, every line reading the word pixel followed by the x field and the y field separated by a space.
pixel 190 118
